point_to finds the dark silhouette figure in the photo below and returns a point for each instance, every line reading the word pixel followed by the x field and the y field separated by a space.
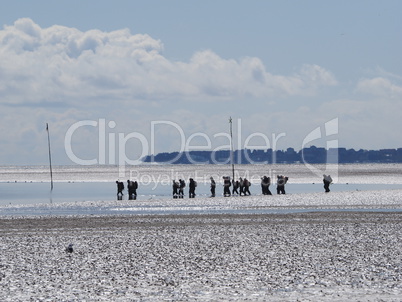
pixel 132 187
pixel 120 188
pixel 241 186
pixel 265 183
pixel 246 187
pixel 226 186
pixel 135 187
pixel 280 184
pixel 176 186
pixel 69 248
pixel 236 185
pixel 327 180
pixel 213 186
pixel 191 188
pixel 182 185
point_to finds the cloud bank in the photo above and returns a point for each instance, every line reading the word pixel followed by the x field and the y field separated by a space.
pixel 60 64
pixel 62 75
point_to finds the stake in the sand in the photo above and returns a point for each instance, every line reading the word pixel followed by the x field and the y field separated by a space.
pixel 50 158
pixel 231 147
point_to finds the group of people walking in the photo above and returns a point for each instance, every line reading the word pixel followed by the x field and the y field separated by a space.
pixel 178 188
pixel 242 186
pixel 239 187
pixel 132 187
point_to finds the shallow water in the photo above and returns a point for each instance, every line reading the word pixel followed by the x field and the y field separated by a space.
pixel 22 188
pixel 32 193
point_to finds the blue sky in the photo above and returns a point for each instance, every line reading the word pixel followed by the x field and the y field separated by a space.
pixel 166 75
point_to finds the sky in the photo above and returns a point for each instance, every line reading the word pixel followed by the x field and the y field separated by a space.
pixel 118 80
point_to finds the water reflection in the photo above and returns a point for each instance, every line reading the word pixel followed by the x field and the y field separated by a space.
pixel 32 193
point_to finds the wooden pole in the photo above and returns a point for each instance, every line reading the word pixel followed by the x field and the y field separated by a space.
pixel 231 147
pixel 50 158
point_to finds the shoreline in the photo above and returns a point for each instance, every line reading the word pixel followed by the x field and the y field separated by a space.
pixel 127 220
pixel 360 201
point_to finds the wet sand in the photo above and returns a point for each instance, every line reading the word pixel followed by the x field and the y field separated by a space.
pixel 322 256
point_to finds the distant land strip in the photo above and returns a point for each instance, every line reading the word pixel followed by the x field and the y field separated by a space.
pixel 311 155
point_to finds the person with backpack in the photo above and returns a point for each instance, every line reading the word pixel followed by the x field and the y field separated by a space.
pixel 176 186
pixel 246 187
pixel 241 185
pixel 130 189
pixel 327 180
pixel 226 186
pixel 120 189
pixel 191 188
pixel 236 185
pixel 280 184
pixel 265 183
pixel 182 185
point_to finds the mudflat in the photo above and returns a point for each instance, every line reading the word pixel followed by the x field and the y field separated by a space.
pixel 320 256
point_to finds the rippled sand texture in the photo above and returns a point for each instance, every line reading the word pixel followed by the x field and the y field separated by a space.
pixel 314 256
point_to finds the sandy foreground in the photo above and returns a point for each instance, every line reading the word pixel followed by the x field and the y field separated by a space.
pixel 322 256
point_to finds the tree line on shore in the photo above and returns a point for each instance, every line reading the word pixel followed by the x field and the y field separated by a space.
pixel 312 155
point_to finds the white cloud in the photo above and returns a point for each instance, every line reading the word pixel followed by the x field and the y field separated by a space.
pixel 62 75
pixel 62 64
pixel 381 87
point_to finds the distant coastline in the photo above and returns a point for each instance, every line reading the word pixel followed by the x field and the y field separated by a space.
pixel 311 155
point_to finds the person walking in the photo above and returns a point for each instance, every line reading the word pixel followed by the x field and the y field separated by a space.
pixel 213 186
pixel 182 185
pixel 327 180
pixel 241 186
pixel 226 186
pixel 191 188
pixel 120 189
pixel 280 184
pixel 132 187
pixel 236 185
pixel 175 188
pixel 246 187
pixel 265 183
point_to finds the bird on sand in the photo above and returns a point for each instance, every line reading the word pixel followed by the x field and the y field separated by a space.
pixel 70 249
